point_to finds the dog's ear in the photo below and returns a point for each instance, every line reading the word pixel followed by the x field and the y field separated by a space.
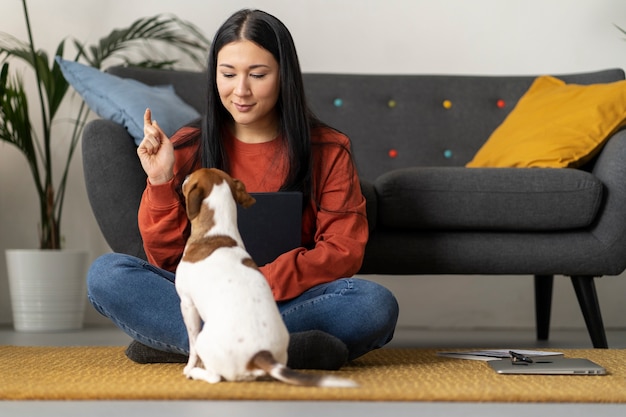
pixel 195 195
pixel 241 195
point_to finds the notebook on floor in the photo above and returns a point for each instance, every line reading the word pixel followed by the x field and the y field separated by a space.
pixel 271 226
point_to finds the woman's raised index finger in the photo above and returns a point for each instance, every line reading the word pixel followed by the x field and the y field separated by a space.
pixel 147 117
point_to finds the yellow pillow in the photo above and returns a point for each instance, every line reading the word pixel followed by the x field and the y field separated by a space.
pixel 555 125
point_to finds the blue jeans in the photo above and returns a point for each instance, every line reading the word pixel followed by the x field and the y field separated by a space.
pixel 141 300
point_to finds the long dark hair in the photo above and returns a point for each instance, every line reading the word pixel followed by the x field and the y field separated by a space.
pixel 295 117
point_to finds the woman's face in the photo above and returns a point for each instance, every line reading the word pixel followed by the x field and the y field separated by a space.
pixel 248 83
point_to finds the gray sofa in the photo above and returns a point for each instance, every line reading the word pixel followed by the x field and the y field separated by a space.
pixel 428 213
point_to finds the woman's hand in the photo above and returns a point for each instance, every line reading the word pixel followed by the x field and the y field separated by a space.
pixel 156 152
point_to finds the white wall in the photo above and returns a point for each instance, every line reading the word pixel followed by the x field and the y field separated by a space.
pixel 362 36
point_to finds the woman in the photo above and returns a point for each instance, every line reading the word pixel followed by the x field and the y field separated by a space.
pixel 260 130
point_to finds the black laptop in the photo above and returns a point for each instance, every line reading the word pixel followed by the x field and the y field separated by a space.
pixel 271 226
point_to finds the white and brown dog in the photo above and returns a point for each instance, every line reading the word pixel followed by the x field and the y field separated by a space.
pixel 233 322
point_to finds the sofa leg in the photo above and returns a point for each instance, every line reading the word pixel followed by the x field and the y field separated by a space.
pixel 588 300
pixel 543 304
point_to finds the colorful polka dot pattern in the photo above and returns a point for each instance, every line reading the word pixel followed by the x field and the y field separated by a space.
pixel 446 104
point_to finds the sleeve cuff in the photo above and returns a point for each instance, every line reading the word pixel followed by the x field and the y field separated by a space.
pixel 162 195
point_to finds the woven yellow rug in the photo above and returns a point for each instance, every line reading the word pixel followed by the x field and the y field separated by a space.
pixel 104 373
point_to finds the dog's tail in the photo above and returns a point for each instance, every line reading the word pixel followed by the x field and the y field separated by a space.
pixel 265 360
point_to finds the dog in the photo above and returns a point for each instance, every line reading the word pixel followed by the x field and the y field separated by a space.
pixel 233 322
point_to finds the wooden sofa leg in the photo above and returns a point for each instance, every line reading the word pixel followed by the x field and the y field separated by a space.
pixel 588 300
pixel 543 304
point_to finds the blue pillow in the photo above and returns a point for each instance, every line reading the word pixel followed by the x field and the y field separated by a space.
pixel 124 101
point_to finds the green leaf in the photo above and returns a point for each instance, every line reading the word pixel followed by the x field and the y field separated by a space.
pixel 15 126
pixel 139 38
pixel 58 85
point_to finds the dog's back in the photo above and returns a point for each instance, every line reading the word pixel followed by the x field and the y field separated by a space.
pixel 239 313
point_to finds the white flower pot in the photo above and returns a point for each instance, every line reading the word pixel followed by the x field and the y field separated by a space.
pixel 48 289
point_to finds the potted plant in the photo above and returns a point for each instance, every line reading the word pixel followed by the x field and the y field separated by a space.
pixel 133 45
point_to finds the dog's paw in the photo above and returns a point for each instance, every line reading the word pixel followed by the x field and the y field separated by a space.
pixel 204 375
pixel 187 371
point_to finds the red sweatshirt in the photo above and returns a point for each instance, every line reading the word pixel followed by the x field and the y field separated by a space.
pixel 334 231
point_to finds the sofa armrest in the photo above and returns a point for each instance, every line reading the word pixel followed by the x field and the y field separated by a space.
pixel 115 182
pixel 610 168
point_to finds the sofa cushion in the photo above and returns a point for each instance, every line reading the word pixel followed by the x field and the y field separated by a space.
pixel 124 101
pixel 555 125
pixel 512 199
